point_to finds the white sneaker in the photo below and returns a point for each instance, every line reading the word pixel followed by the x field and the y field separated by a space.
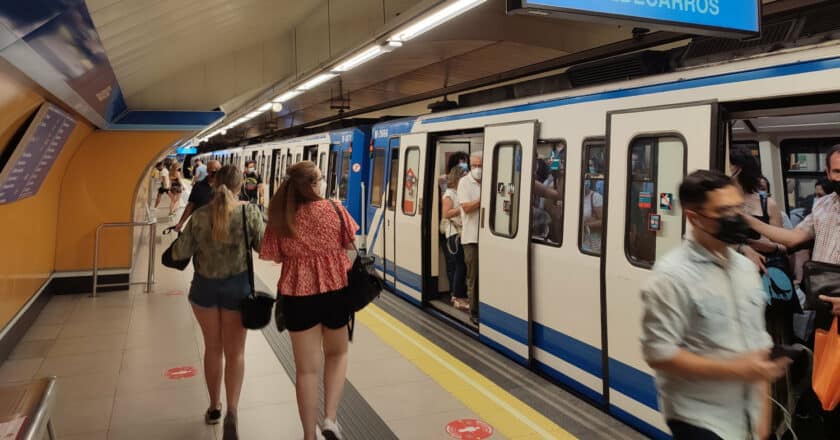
pixel 331 430
pixel 318 435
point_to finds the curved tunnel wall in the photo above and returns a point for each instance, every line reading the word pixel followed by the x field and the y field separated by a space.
pixel 93 180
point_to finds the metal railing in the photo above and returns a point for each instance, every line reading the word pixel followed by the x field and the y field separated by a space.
pixel 150 279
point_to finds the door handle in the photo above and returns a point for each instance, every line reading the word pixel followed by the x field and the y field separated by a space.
pixel 481 219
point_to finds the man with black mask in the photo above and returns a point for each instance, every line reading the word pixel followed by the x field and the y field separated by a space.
pixel 703 326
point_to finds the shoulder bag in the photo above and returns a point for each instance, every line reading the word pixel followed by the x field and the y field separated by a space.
pixel 167 260
pixel 256 307
pixel 820 279
pixel 363 284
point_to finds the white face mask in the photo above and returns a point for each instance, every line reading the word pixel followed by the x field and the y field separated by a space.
pixel 475 172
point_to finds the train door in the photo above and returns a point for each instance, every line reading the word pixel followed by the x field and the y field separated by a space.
pixel 650 151
pixel 332 172
pixel 279 170
pixel 389 235
pixel 310 153
pixel 323 154
pixel 504 239
pixel 408 262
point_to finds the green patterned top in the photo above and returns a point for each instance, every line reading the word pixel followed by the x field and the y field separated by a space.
pixel 219 260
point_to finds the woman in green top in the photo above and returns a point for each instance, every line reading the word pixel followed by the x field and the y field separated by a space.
pixel 215 240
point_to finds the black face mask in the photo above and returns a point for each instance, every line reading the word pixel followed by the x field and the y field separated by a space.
pixel 733 229
pixel 832 187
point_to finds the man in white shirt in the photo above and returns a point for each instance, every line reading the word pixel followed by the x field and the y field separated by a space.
pixel 163 187
pixel 469 196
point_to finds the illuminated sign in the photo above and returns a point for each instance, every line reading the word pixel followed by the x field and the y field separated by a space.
pixel 710 17
pixel 187 150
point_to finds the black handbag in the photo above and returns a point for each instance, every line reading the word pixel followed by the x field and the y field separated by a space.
pixel 821 279
pixel 363 284
pixel 167 260
pixel 256 307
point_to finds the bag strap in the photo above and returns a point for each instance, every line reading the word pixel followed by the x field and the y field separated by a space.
pixel 764 211
pixel 344 229
pixel 248 256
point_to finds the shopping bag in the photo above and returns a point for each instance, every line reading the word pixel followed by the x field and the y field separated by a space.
pixel 826 375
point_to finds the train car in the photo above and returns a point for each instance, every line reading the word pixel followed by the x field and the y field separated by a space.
pixel 579 200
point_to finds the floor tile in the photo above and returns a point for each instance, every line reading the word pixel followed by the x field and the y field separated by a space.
pixel 384 372
pixel 150 377
pixel 153 406
pixel 98 314
pixel 431 426
pixel 106 363
pixel 416 399
pixel 41 332
pixel 270 422
pixel 80 329
pixel 82 416
pixel 185 340
pixel 101 435
pixel 19 370
pixel 262 365
pixel 31 349
pixel 264 390
pixel 87 386
pixel 87 345
pixel 192 428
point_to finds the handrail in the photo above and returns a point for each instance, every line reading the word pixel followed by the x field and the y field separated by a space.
pixel 41 416
pixel 150 279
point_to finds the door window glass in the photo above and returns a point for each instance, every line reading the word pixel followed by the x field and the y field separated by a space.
pixel 504 203
pixel 332 174
pixel 392 178
pixel 549 193
pixel 322 163
pixel 592 197
pixel 376 189
pixel 411 179
pixel 346 158
pixel 803 163
pixel 654 218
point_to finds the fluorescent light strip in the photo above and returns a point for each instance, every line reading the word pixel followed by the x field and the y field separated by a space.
pixel 442 16
pixel 291 94
pixel 363 57
pixel 315 82
pixel 265 107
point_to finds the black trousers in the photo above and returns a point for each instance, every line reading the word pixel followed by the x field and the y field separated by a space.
pixel 684 431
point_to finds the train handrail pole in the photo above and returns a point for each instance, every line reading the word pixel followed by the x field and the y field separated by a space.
pixel 150 276
pixel 364 219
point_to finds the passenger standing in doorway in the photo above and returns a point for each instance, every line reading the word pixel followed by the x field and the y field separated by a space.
pixel 215 239
pixel 456 268
pixel 253 190
pixel 163 182
pixel 201 193
pixel 822 226
pixel 199 172
pixel 305 235
pixel 703 323
pixel 469 197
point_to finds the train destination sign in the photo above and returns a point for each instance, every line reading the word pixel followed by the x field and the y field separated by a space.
pixel 33 157
pixel 728 18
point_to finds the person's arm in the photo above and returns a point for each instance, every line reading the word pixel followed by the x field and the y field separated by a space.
pixel 788 237
pixel 448 210
pixel 185 245
pixel 764 424
pixel 469 207
pixel 187 213
pixel 754 366
pixel 835 304
pixel 463 194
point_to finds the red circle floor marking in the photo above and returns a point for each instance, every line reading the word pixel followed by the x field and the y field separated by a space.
pixel 469 429
pixel 180 373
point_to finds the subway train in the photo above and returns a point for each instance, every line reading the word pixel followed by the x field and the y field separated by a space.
pixel 578 201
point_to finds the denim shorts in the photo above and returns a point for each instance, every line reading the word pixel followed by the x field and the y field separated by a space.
pixel 226 293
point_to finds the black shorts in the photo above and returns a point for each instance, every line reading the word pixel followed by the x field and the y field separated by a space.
pixel 163 190
pixel 304 312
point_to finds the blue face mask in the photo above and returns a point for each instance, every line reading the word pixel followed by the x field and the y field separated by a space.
pixel 762 194
pixel 464 166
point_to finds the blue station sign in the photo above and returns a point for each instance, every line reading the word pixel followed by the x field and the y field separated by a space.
pixel 732 18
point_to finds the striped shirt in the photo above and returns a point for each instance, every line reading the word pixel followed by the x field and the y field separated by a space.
pixel 823 224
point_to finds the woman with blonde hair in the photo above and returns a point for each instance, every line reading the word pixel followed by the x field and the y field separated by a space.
pixel 176 187
pixel 305 234
pixel 215 240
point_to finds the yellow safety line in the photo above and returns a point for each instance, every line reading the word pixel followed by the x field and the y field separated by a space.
pixel 503 411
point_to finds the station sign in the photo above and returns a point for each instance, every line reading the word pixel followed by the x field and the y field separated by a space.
pixel 719 18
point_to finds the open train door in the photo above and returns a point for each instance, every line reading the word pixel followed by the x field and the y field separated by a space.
pixel 408 221
pixel 650 152
pixel 504 239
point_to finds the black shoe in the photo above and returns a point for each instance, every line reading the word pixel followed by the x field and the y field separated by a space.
pixel 213 416
pixel 229 432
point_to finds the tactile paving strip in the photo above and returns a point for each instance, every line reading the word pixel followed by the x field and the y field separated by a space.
pixel 356 417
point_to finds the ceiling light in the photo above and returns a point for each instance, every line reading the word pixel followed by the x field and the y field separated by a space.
pixel 360 58
pixel 291 94
pixel 315 82
pixel 264 107
pixel 224 131
pixel 435 19
pixel 277 107
pixel 395 44
pixel 254 114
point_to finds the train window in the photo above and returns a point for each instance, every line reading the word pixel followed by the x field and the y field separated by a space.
pixel 803 162
pixel 392 178
pixel 332 188
pixel 504 204
pixel 592 197
pixel 376 189
pixel 411 178
pixel 322 163
pixel 549 193
pixel 654 220
pixel 752 146
pixel 346 158
pixel 297 158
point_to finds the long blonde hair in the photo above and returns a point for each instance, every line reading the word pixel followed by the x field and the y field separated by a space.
pixel 228 183
pixel 296 189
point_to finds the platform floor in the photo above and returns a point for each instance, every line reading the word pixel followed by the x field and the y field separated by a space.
pixel 111 355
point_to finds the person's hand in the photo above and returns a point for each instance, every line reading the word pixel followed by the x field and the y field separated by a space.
pixel 179 227
pixel 757 366
pixel 755 257
pixel 835 304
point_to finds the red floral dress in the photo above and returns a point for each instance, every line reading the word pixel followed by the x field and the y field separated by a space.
pixel 315 261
